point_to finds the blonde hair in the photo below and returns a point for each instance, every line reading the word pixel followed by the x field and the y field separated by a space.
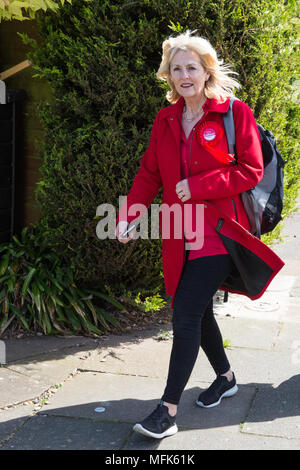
pixel 219 85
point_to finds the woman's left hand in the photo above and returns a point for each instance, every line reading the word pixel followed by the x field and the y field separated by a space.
pixel 183 190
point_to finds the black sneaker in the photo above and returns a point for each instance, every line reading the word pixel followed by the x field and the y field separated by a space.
pixel 158 424
pixel 220 388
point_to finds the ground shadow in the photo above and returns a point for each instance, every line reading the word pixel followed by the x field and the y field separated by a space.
pixel 81 427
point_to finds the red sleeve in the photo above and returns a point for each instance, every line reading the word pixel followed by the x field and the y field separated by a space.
pixel 234 179
pixel 147 182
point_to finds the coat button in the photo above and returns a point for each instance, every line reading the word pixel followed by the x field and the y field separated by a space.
pixel 205 207
pixel 171 119
pixel 196 163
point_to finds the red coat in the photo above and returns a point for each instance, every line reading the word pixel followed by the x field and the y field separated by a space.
pixel 217 186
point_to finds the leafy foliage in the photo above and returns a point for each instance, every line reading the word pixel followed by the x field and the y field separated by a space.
pixel 26 9
pixel 100 58
pixel 152 303
pixel 38 290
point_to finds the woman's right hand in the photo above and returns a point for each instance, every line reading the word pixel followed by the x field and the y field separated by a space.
pixel 121 227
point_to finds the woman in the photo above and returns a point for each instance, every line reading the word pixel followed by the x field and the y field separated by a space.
pixel 188 156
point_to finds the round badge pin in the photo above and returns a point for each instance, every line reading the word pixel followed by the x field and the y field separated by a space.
pixel 209 134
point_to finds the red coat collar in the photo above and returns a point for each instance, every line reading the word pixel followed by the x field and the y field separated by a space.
pixel 211 104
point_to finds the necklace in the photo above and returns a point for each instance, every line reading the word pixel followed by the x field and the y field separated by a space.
pixel 195 116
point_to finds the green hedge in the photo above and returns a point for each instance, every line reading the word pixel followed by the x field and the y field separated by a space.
pixel 100 58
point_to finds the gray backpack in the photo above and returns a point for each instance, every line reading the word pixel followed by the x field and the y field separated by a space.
pixel 263 203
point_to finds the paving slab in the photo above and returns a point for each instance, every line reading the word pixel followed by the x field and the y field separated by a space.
pixel 247 333
pixel 16 388
pixel 51 368
pixel 291 314
pixel 30 346
pixel 148 358
pixel 276 410
pixel 261 367
pixel 56 433
pixel 130 399
pixel 203 439
pixel 117 394
pixel 289 247
pixel 250 365
pixel 288 339
pixel 154 355
pixel 12 419
pixel 28 379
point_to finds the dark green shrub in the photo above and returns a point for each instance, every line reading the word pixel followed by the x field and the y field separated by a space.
pixel 100 58
pixel 39 291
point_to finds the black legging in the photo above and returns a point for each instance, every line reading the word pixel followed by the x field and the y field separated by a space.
pixel 194 324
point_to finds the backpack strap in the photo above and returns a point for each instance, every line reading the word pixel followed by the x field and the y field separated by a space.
pixel 229 128
pixel 230 134
pixel 256 215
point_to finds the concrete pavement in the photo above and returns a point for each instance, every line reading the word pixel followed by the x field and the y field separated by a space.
pixel 84 393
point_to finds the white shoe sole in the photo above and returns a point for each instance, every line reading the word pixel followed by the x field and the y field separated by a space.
pixel 169 432
pixel 229 393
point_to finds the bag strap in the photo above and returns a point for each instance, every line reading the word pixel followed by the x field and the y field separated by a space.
pixel 230 134
pixel 229 128
pixel 256 215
